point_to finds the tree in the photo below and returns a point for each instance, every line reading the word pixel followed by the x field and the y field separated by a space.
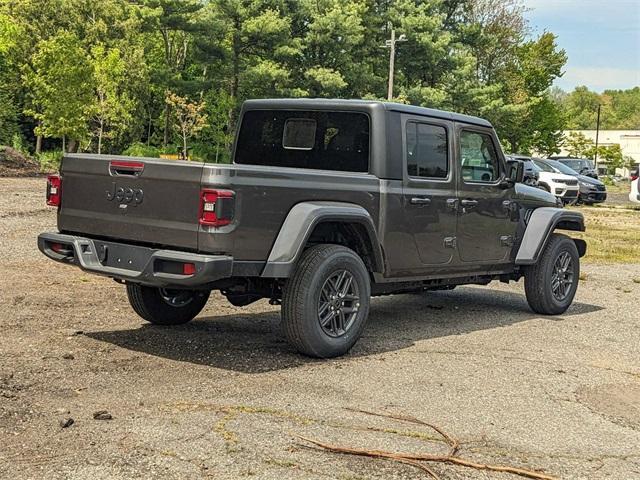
pixel 112 108
pixel 256 36
pixel 9 111
pixel 611 155
pixel 217 135
pixel 61 88
pixel 190 118
pixel 529 119
pixel 581 107
pixel 176 21
pixel 577 145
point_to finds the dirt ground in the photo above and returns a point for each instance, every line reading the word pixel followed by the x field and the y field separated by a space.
pixel 224 396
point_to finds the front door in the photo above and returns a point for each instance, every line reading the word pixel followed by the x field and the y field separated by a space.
pixel 485 226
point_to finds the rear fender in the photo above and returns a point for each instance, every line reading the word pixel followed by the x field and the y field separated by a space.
pixel 543 222
pixel 299 225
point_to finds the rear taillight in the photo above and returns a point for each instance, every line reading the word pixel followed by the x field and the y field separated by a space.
pixel 634 177
pixel 54 190
pixel 216 207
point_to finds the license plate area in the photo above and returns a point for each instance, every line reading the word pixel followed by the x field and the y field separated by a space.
pixel 127 257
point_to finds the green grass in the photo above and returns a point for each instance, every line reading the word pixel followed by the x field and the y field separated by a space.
pixel 612 235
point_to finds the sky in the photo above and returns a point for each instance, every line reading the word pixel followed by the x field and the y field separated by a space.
pixel 601 38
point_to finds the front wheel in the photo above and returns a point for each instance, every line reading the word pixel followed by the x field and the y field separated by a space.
pixel 550 285
pixel 325 304
pixel 165 306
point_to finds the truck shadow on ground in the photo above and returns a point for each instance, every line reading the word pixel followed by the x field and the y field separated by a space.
pixel 253 342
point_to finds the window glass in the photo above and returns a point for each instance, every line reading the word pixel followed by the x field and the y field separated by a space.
pixel 427 152
pixel 479 159
pixel 304 139
pixel 543 166
pixel 299 133
pixel 574 164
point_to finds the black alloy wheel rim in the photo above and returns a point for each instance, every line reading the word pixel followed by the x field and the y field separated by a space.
pixel 562 277
pixel 338 304
pixel 176 298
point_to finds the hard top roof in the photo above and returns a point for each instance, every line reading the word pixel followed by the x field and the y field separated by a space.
pixel 324 103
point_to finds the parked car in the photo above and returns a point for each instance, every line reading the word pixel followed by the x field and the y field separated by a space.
pixel 531 173
pixel 326 203
pixel 563 186
pixel 634 194
pixel 591 189
pixel 583 166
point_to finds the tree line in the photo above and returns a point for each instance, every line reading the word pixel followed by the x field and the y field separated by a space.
pixel 145 77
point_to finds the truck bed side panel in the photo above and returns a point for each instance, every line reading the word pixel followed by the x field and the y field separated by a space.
pixel 264 197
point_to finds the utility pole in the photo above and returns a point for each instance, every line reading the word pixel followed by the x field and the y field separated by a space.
pixel 391 45
pixel 595 160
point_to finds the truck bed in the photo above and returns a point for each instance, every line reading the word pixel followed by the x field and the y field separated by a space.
pixel 157 202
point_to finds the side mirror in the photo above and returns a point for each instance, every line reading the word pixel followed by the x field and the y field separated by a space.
pixel 515 173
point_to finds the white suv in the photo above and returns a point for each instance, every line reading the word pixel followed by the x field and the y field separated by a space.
pixel 634 194
pixel 565 187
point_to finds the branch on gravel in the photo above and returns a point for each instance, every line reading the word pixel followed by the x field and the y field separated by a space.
pixel 415 459
pixel 454 444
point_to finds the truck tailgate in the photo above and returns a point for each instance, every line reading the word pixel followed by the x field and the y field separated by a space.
pixel 143 200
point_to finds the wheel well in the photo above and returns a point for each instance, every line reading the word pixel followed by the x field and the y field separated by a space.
pixel 351 235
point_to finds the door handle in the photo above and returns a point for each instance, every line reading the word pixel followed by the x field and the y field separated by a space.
pixel 468 202
pixel 420 201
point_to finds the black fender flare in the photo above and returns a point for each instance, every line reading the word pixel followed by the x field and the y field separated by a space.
pixel 543 222
pixel 298 226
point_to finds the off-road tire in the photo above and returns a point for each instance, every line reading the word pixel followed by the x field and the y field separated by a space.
pixel 538 277
pixel 148 302
pixel 301 297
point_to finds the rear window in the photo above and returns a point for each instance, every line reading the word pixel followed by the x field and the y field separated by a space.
pixel 303 139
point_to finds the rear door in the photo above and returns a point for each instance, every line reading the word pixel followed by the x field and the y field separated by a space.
pixel 428 196
pixel 486 229
pixel 141 200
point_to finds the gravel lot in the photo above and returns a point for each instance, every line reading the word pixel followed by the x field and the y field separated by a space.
pixel 223 396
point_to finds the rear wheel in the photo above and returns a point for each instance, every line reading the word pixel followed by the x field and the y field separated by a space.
pixel 325 303
pixel 163 306
pixel 551 284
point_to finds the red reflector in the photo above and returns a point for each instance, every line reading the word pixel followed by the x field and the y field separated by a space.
pixel 57 247
pixel 188 268
pixel 54 190
pixel 634 177
pixel 127 165
pixel 211 212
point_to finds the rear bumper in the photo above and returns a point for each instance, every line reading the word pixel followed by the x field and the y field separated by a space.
pixel 133 263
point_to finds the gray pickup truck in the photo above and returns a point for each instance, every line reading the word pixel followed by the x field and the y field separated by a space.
pixel 326 203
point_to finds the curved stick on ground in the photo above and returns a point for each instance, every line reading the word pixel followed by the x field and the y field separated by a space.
pixel 454 443
pixel 428 458
pixel 418 465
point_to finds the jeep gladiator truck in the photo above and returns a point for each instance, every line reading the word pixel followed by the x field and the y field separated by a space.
pixel 326 203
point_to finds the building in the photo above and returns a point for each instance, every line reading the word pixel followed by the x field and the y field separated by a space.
pixel 629 141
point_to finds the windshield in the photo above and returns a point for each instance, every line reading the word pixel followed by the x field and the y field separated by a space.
pixel 543 166
pixel 561 167
pixel 578 164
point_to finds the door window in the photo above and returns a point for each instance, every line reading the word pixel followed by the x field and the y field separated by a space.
pixel 479 158
pixel 427 152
